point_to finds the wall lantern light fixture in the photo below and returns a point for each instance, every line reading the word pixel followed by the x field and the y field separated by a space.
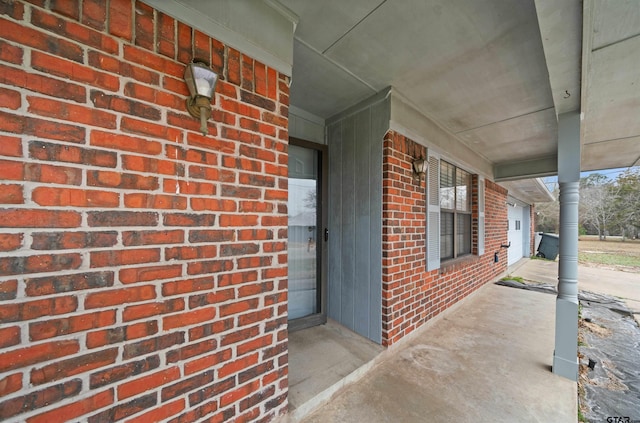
pixel 201 81
pixel 419 168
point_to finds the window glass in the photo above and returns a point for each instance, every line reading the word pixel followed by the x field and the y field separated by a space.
pixel 463 190
pixel 447 186
pixel 446 235
pixel 455 211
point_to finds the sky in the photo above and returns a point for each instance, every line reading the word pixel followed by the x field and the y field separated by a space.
pixel 612 174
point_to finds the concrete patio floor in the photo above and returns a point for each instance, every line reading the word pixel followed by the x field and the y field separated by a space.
pixel 488 359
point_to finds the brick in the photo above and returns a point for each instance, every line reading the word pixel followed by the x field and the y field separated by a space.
pixel 124 105
pixel 71 112
pixel 74 197
pixel 132 238
pixel 151 273
pixel 11 194
pixel 237 366
pixel 39 263
pixel 160 413
pixel 152 345
pixel 63 326
pixel 10 146
pixel 188 219
pixel 68 8
pixel 233 66
pixel 9 336
pixel 212 266
pixel 68 283
pixel 207 362
pixel 191 350
pixel 188 318
pixel 34 354
pixel 73 366
pixel 165 30
pixel 189 187
pixel 201 47
pixel 121 18
pixel 26 218
pixel 213 204
pixel 150 165
pixel 186 385
pixel 39 399
pixel 211 235
pixel 33 309
pixel 74 71
pixel 188 253
pixel 230 220
pixel 239 249
pixel 122 410
pixel 148 59
pixel 10 384
pixel 24 35
pixel 185 286
pixel 72 154
pixel 36 172
pixel 257 398
pixel 147 383
pixel 94 14
pixel 125 142
pixel 74 31
pixel 10 99
pixel 119 296
pixel 120 218
pixel 157 201
pixel 12 9
pixel 10 242
pixel 76 409
pixel 208 329
pixel 102 178
pixel 42 84
pixel 113 65
pixel 143 311
pixel 10 170
pixel 8 290
pixel 10 53
pixel 238 278
pixel 144 26
pixel 70 240
pixel 153 95
pixel 208 142
pixel 184 43
pixel 123 371
pixel 238 307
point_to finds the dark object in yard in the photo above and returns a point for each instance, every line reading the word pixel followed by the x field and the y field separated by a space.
pixel 549 246
pixel 592 364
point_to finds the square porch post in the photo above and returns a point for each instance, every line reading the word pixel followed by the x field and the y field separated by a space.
pixel 565 356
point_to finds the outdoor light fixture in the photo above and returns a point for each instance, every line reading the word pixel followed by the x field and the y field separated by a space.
pixel 201 81
pixel 419 168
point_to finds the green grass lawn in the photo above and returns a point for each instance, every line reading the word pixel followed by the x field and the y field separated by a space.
pixel 608 258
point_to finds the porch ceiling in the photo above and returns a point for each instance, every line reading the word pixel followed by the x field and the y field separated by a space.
pixel 491 73
pixel 494 74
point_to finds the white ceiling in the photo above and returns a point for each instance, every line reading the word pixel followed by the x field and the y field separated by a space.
pixel 493 73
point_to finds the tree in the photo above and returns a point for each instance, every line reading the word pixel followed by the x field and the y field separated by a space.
pixel 597 203
pixel 548 214
pixel 627 202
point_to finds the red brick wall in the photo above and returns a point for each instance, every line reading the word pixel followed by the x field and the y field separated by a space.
pixel 142 265
pixel 410 295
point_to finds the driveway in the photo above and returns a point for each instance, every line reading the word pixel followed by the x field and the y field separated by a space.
pixel 624 285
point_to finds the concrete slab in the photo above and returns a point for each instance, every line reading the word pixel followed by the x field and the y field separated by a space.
pixel 486 361
pixel 322 359
pixel 624 285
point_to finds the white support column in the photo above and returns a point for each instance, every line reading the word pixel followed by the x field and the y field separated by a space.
pixel 565 356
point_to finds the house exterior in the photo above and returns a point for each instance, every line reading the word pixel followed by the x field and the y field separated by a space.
pixel 149 272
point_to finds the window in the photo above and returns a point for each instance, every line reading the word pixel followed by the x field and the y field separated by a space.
pixel 455 211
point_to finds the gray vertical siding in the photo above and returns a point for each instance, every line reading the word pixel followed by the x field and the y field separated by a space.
pixel 355 216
